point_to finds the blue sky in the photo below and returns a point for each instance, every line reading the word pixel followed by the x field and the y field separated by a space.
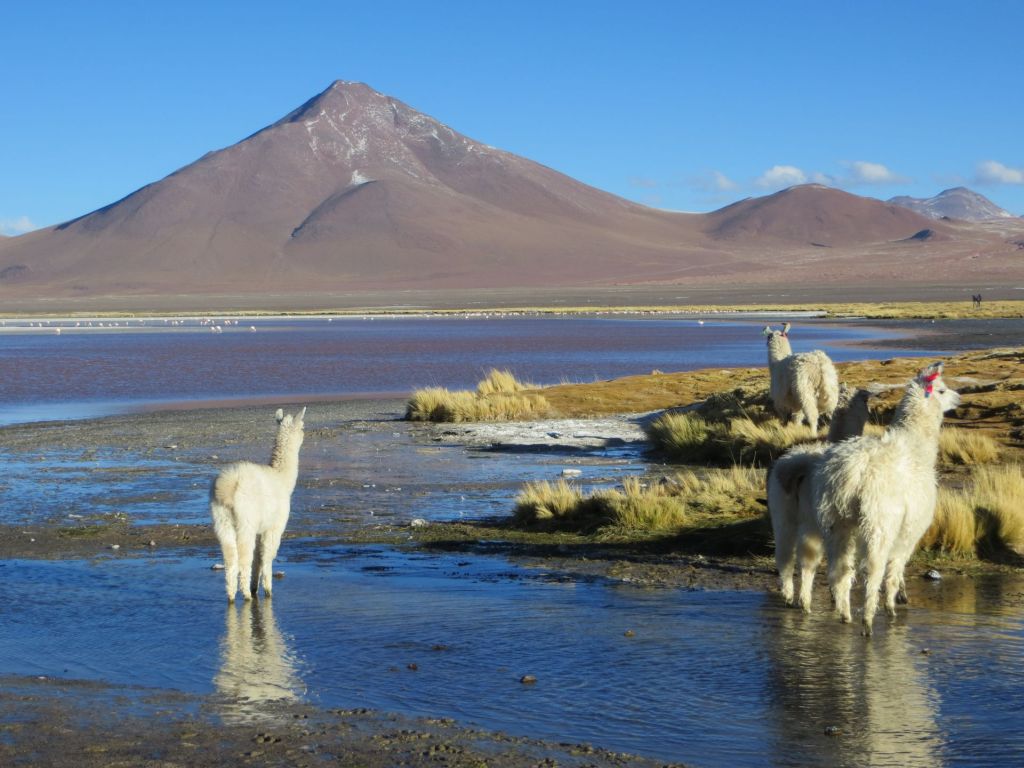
pixel 679 105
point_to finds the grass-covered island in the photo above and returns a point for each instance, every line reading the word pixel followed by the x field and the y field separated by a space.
pixel 712 434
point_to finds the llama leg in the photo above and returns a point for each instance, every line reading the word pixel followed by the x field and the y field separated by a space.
pixel 230 551
pixel 269 543
pixel 841 572
pixel 810 557
pixel 893 584
pixel 246 550
pixel 874 573
pixel 785 554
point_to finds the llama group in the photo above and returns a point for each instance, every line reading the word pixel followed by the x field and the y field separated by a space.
pixel 803 384
pixel 794 523
pixel 249 500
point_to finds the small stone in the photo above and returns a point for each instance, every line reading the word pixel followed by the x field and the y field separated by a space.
pixel 933 575
pixel 555 435
pixel 413 666
pixel 217 567
pixel 925 651
pixel 528 679
pixel 171 446
pixel 152 543
pixel 629 633
pixel 832 730
pixel 115 546
pixel 572 472
pixel 418 522
pixel 278 574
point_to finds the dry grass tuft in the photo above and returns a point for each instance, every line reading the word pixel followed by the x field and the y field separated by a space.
pixel 499 397
pixel 690 438
pixel 714 497
pixel 500 382
pixel 967 447
pixel 985 517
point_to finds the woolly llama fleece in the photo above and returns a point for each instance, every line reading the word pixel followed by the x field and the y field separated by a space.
pixel 249 500
pixel 794 523
pixel 875 496
pixel 803 384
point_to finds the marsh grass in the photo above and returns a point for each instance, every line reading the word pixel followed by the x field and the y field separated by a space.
pixel 984 517
pixel 498 397
pixel 687 499
pixel 691 439
pixel 500 382
pixel 967 447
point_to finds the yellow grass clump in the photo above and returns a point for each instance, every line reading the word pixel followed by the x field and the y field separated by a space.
pixel 984 517
pixel 967 447
pixel 502 382
pixel 689 438
pixel 715 496
pixel 498 397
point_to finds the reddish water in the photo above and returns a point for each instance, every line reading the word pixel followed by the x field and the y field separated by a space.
pixel 92 371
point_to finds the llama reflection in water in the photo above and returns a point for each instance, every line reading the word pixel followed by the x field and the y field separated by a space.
pixel 256 668
pixel 838 700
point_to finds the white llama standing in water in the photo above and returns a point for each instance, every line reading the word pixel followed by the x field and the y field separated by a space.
pixel 875 496
pixel 249 500
pixel 794 523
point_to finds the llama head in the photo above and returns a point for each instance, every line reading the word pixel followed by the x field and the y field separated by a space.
pixel 778 341
pixel 290 431
pixel 930 380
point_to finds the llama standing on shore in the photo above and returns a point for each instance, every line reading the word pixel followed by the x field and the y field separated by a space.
pixel 801 384
pixel 249 500
pixel 875 496
pixel 794 523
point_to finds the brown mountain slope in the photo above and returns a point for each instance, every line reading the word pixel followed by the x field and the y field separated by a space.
pixel 355 191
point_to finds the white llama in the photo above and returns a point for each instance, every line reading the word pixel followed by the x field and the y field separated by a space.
pixel 794 524
pixel 801 384
pixel 875 496
pixel 249 500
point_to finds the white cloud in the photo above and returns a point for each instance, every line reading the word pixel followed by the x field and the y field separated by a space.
pixel 863 172
pixel 719 181
pixel 781 176
pixel 992 172
pixel 714 182
pixel 16 226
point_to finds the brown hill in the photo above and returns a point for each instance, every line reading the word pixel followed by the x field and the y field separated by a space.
pixel 355 191
pixel 813 214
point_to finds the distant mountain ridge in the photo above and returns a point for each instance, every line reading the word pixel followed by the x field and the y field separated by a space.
pixel 955 203
pixel 356 191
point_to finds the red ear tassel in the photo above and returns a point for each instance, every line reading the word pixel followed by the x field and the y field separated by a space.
pixel 928 380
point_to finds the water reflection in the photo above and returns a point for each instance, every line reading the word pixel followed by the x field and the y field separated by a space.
pixel 256 667
pixel 841 699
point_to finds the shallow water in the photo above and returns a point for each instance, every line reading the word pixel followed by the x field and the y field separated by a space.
pixel 91 371
pixel 709 678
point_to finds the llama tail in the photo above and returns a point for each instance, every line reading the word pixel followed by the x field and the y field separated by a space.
pixel 222 501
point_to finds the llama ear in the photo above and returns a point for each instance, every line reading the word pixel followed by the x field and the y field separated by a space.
pixel 302 415
pixel 785 328
pixel 931 372
pixel 279 415
pixel 767 330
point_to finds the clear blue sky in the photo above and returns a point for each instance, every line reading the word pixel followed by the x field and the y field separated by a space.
pixel 680 105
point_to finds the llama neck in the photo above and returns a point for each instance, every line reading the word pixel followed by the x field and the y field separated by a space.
pixel 285 457
pixel 779 350
pixel 917 423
